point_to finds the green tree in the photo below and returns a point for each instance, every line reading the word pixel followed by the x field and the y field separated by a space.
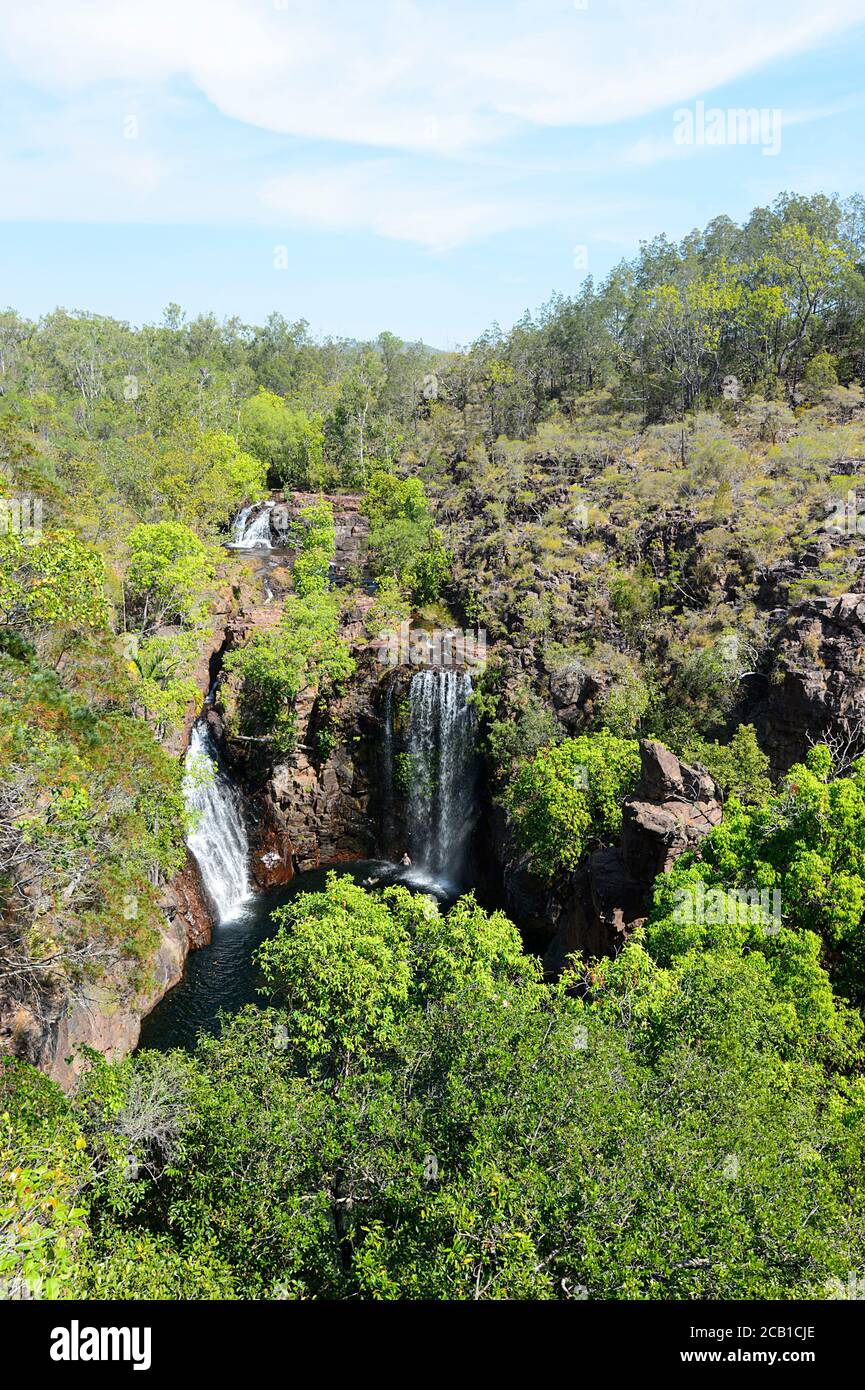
pixel 52 579
pixel 405 545
pixel 167 576
pixel 288 440
pixel 569 797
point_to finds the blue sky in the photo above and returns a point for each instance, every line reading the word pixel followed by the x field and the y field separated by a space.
pixel 423 167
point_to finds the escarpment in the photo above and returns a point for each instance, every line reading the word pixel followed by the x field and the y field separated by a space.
pixel 816 684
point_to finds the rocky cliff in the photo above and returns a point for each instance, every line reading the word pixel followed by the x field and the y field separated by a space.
pixel 52 1027
pixel 314 806
pixel 592 911
pixel 816 690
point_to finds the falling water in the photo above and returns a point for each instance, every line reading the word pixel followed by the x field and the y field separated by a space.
pixel 218 840
pixel 252 532
pixel 441 771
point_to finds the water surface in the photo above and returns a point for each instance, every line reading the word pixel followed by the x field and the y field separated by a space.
pixel 223 976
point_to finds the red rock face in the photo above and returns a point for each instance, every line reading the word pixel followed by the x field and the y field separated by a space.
pixel 272 860
pixel 817 688
pixel 53 1030
pixel 186 900
pixel 673 807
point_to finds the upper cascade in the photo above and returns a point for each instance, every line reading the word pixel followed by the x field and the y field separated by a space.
pixel 251 528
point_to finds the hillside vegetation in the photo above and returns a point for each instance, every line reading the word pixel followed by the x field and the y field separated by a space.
pixel 634 491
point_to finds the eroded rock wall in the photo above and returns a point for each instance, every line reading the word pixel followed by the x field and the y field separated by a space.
pixel 52 1027
pixel 816 687
pixel 593 910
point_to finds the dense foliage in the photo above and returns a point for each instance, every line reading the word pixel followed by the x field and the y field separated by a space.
pixel 418 1116
pixel 405 546
pixel 806 843
pixel 570 795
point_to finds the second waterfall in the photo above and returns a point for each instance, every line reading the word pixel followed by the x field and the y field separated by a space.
pixel 440 772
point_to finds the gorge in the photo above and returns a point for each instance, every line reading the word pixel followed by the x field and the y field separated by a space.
pixel 429 826
pixel 428 806
pixel 432 796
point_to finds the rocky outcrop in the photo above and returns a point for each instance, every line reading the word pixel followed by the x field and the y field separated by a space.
pixel 310 815
pixel 816 686
pixel 350 525
pixel 670 810
pixel 592 911
pixel 313 806
pixel 185 901
pixel 673 806
pixel 104 1017
pixel 52 1028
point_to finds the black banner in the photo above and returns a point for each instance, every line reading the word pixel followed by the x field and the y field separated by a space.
pixel 84 1340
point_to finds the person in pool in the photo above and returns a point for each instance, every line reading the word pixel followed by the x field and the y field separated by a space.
pixel 373 879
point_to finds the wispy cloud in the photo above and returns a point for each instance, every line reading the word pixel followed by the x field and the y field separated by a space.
pixel 433 97
pixel 390 198
pixel 407 75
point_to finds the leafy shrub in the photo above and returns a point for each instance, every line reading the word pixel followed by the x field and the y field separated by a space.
pixel 569 797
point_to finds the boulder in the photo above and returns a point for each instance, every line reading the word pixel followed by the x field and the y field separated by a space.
pixel 672 807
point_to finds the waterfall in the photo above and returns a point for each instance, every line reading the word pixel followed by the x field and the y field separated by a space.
pixel 252 532
pixel 218 840
pixel 441 771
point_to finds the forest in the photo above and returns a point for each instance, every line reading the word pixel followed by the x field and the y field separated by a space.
pixel 609 1065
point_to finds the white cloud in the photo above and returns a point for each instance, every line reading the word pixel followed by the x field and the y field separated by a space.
pixel 387 197
pixel 405 75
pixel 435 89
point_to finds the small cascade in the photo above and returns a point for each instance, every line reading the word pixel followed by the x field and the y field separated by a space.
pixel 251 529
pixel 218 841
pixel 441 771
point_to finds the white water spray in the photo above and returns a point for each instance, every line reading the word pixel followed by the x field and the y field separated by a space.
pixel 219 840
pixel 251 529
pixel 441 770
